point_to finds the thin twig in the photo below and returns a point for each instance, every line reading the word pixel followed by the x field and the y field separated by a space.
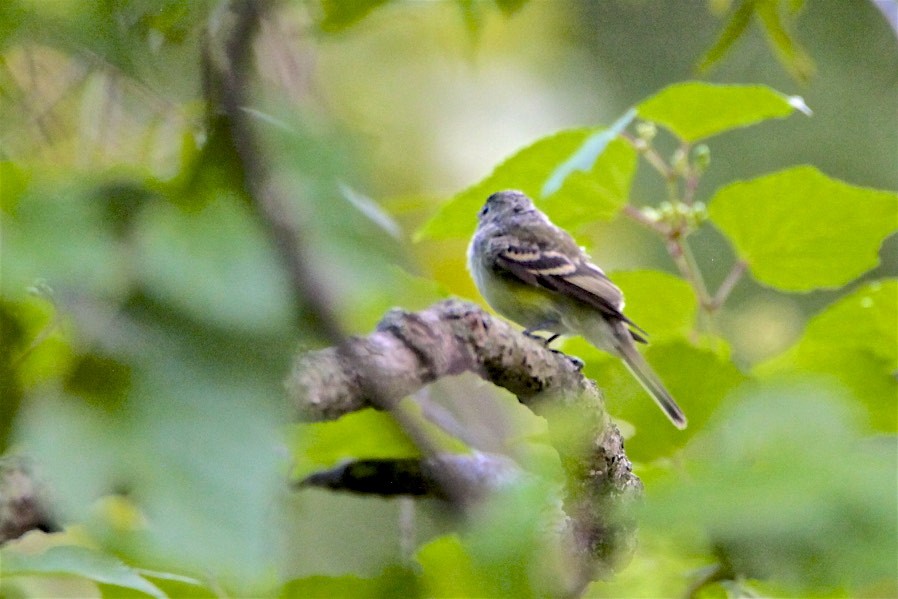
pixel 312 301
pixel 652 156
pixel 691 185
pixel 728 284
pixel 683 258
pixel 637 215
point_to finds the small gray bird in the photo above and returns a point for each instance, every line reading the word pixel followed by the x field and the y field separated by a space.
pixel 534 273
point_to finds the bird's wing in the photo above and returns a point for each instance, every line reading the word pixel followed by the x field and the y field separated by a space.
pixel 574 277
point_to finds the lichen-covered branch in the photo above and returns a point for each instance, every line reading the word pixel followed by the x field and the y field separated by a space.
pixel 412 349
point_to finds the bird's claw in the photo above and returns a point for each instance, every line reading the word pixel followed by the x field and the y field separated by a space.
pixel 577 362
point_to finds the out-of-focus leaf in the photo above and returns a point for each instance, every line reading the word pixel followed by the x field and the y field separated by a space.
pixel 394 582
pixel 694 110
pixel 662 304
pixel 78 561
pixel 372 210
pixel 365 434
pixel 193 445
pixel 400 289
pixel 800 230
pixel 660 568
pixel 787 49
pixel 509 7
pixel 512 541
pixel 12 331
pixel 15 180
pixel 784 486
pixel 447 569
pixel 77 250
pixel 584 197
pixel 736 25
pixel 587 154
pixel 215 264
pixel 507 551
pixel 174 585
pixel 697 378
pixel 855 340
pixel 340 14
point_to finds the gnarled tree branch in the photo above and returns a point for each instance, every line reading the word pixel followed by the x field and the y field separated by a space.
pixel 412 349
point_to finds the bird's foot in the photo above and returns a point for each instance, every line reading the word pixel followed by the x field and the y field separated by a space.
pixel 577 362
pixel 546 342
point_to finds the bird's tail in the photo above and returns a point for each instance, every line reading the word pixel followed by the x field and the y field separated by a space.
pixel 650 381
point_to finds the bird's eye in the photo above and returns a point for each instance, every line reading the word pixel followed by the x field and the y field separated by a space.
pixel 518 209
pixel 484 210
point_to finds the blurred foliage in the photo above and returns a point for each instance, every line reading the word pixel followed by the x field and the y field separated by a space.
pixel 147 323
pixel 774 17
pixel 607 184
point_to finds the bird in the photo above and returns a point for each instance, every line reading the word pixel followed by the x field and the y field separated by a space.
pixel 533 272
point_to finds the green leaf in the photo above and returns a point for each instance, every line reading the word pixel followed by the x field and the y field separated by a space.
pixel 800 230
pixel 398 288
pixel 662 304
pixel 584 197
pixel 447 569
pixel 787 49
pixel 855 340
pixel 697 378
pixel 504 552
pixel 509 7
pixel 585 157
pixel 216 264
pixel 394 582
pixel 693 110
pixel 365 434
pixel 78 561
pixel 732 31
pixel 15 182
pixel 785 485
pixel 340 14
pixel 769 12
pixel 77 251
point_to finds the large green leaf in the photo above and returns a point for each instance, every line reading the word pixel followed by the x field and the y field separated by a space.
pixel 586 155
pixel 785 485
pixel 341 14
pixel 215 264
pixel 662 304
pixel 800 230
pixel 584 197
pixel 77 561
pixel 447 569
pixel 77 249
pixel 393 582
pixel 366 434
pixel 693 110
pixel 697 378
pixel 856 341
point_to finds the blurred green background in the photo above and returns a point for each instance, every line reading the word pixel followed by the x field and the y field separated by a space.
pixel 146 320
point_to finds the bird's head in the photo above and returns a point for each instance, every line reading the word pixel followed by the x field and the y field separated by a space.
pixel 503 204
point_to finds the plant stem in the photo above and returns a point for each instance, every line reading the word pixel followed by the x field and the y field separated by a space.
pixel 728 284
pixel 652 156
pixel 685 261
pixel 690 186
pixel 636 214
